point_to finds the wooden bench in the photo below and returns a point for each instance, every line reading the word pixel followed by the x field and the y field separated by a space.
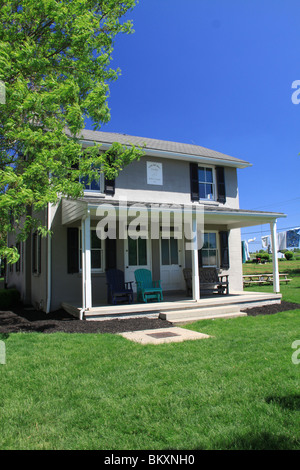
pixel 210 281
pixel 263 278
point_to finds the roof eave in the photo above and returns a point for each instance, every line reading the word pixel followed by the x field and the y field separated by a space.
pixel 179 156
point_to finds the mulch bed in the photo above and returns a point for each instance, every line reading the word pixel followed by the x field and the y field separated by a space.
pixel 271 309
pixel 23 320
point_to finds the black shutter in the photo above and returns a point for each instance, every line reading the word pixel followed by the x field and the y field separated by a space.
pixel 110 253
pixel 220 172
pixel 39 259
pixel 73 250
pixel 224 250
pixel 109 187
pixel 200 262
pixel 194 181
pixel 36 253
pixel 34 250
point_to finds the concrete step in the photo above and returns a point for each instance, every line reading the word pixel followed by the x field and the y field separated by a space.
pixel 122 316
pixel 182 321
pixel 185 315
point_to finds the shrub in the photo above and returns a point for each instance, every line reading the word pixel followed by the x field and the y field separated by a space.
pixel 263 255
pixel 289 255
pixel 9 298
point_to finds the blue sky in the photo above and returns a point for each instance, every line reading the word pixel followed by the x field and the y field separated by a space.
pixel 218 74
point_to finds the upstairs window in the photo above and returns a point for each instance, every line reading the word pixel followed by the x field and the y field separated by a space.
pixel 100 185
pixel 206 183
pixel 93 186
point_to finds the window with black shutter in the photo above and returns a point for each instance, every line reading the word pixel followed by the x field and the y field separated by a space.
pixel 208 255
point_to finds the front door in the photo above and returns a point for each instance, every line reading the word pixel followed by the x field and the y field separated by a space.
pixel 171 259
pixel 137 256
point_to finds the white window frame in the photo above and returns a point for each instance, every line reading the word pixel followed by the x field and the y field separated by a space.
pixel 172 233
pixel 214 198
pixel 217 248
pixel 102 253
pixel 95 191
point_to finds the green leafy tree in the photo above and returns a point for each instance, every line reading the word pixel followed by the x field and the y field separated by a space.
pixel 55 65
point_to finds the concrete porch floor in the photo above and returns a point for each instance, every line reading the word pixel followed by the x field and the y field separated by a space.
pixel 177 308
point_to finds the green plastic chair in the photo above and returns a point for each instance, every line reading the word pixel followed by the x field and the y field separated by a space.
pixel 147 289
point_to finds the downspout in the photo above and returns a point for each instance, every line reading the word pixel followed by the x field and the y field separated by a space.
pixel 49 266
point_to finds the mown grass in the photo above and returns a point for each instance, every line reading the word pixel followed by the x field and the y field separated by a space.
pixel 238 389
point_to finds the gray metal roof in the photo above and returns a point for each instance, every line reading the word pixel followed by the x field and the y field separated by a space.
pixel 162 146
pixel 96 200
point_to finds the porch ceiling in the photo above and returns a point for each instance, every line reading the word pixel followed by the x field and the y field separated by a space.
pixel 213 215
pixel 237 218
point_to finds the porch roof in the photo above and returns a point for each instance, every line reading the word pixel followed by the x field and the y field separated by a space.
pixel 75 210
pixel 238 218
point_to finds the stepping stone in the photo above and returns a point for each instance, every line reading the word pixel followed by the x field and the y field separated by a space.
pixel 163 335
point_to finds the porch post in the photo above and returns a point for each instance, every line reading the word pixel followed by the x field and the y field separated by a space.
pixel 83 261
pixel 88 283
pixel 276 284
pixel 195 264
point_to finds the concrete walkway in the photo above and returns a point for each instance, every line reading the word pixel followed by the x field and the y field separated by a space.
pixel 163 335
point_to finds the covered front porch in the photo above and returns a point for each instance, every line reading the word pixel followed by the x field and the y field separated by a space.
pixel 177 308
pixel 215 218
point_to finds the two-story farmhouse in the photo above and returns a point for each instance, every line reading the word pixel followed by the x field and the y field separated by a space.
pixel 169 181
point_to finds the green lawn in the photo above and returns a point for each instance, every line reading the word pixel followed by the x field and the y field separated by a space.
pixel 237 390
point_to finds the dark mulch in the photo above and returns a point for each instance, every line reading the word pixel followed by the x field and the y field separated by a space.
pixel 24 320
pixel 271 309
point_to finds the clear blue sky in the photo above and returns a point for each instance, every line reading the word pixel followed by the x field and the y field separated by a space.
pixel 218 74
